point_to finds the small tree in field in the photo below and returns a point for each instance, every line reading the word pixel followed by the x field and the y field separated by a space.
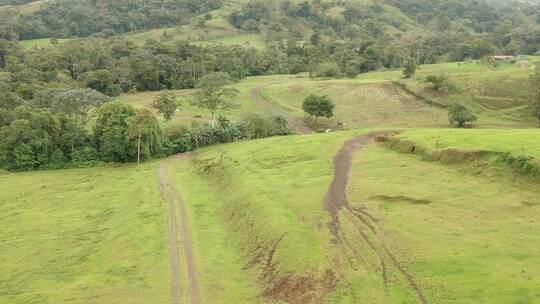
pixel 460 114
pixel 166 104
pixel 212 91
pixel 318 106
pixel 144 128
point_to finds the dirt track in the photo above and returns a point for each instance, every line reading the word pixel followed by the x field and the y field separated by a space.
pixel 296 123
pixel 336 204
pixel 173 197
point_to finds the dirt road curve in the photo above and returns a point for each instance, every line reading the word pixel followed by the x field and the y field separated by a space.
pixel 173 197
pixel 336 204
pixel 296 123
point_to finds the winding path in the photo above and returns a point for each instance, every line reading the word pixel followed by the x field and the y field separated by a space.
pixel 296 123
pixel 173 197
pixel 365 225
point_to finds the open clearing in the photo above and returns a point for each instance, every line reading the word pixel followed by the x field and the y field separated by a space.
pixel 252 207
pixel 95 235
pixel 377 99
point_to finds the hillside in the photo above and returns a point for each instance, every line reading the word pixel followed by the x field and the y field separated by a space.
pixel 269 152
pixel 382 99
pixel 251 244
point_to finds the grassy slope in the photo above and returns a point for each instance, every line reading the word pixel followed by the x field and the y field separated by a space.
pixel 262 190
pixel 466 244
pixel 372 100
pixel 93 235
pixel 216 30
pixel 515 141
pixel 188 113
pixel 497 95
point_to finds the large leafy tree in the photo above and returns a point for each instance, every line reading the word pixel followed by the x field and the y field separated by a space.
pixel 459 115
pixel 166 104
pixel 111 132
pixel 79 103
pixel 318 106
pixel 144 128
pixel 30 140
pixel 212 93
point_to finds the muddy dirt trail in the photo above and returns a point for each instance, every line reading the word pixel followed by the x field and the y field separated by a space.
pixel 172 195
pixel 296 123
pixel 366 226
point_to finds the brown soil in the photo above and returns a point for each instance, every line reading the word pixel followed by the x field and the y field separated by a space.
pixel 336 203
pixel 173 197
pixel 296 123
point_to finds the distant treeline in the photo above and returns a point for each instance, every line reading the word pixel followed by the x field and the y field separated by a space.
pixel 81 18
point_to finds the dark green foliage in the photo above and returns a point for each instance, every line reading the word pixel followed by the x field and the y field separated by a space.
pixel 66 18
pixel 103 81
pixel 183 139
pixel 167 104
pixel 75 102
pixel 254 11
pixel 111 132
pixel 459 115
pixel 144 128
pixel 257 126
pixel 318 106
pixel 31 140
pixel 440 82
pixel 212 91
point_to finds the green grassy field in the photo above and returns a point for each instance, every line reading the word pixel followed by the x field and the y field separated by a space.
pixel 465 237
pixel 257 221
pixel 96 235
pixel 515 141
pixel 189 113
pixel 497 94
pixel 374 100
pixel 43 42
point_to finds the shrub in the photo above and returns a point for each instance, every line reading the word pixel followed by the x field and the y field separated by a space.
pixel 440 83
pixel 327 69
pixel 459 115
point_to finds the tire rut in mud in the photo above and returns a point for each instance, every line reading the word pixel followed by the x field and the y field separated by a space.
pixel 172 195
pixel 365 225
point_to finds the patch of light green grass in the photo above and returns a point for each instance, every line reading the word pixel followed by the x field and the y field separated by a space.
pixel 218 260
pixel 515 141
pixel 96 235
pixel 473 239
pixel 279 185
pixel 42 42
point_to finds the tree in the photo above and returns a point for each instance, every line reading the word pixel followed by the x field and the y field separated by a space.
pixel 166 103
pixel 30 140
pixel 410 48
pixel 103 82
pixel 77 102
pixel 111 130
pixel 460 114
pixel 144 127
pixel 318 106
pixel 212 90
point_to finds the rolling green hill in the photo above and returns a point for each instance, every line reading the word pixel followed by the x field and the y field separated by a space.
pixel 384 99
pixel 259 231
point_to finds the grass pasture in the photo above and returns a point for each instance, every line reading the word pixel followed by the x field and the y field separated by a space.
pixel 514 141
pixel 498 95
pixel 96 235
pixel 465 237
